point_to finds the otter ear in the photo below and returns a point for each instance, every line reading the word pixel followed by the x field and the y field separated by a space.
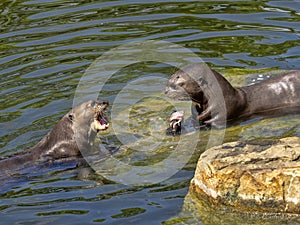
pixel 202 82
pixel 92 104
pixel 71 117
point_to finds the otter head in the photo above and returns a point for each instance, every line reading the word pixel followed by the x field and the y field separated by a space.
pixel 75 131
pixel 187 84
pixel 209 91
pixel 87 120
pixel 90 116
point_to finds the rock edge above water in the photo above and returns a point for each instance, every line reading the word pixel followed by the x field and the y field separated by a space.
pixel 260 176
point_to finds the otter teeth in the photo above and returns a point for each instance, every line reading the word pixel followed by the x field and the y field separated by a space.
pixel 100 126
pixel 100 122
pixel 103 126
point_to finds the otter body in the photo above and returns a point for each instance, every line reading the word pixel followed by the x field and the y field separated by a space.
pixel 216 103
pixel 75 131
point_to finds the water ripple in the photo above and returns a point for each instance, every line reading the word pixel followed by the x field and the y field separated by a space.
pixel 46 46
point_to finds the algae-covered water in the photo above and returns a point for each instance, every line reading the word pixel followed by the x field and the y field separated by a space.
pixel 49 47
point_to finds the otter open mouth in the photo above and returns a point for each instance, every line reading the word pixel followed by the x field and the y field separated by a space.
pixel 100 119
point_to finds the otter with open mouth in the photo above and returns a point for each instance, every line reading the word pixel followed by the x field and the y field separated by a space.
pixel 76 130
pixel 217 104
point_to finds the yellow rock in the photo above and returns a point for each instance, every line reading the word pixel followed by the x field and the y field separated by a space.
pixel 251 176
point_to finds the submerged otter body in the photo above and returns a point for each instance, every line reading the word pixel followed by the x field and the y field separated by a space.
pixel 75 131
pixel 216 103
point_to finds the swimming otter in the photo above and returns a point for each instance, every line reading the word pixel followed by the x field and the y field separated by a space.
pixel 216 102
pixel 76 130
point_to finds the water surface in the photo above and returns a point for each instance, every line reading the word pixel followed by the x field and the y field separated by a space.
pixel 46 46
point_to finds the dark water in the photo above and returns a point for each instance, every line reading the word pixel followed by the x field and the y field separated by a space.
pixel 47 46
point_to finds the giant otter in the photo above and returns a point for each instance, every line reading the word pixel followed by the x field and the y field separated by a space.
pixel 75 131
pixel 216 103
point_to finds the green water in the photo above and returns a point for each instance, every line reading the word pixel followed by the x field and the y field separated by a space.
pixel 47 47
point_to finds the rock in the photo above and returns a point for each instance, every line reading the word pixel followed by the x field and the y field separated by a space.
pixel 260 176
pixel 197 210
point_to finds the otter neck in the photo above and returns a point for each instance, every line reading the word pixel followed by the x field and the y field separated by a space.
pixel 235 98
pixel 59 142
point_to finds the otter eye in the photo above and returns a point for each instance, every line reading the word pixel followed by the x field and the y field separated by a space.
pixel 180 84
pixel 71 117
pixel 202 81
pixel 92 104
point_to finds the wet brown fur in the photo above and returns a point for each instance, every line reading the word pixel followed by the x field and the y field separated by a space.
pixel 72 133
pixel 216 103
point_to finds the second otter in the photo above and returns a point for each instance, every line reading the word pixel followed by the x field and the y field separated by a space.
pixel 74 132
pixel 216 103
